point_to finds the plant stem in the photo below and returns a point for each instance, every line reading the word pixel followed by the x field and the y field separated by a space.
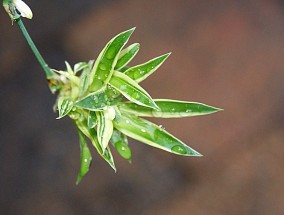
pixel 48 72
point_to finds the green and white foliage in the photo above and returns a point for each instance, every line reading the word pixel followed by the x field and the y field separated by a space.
pixel 104 99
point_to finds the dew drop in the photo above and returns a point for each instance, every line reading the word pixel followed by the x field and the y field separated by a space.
pixel 102 67
pixel 110 53
pixel 179 149
pixel 85 160
pixel 188 111
pixel 123 150
pixel 143 130
pixel 136 95
pixel 96 100
pixel 127 121
pixel 137 74
pixel 173 109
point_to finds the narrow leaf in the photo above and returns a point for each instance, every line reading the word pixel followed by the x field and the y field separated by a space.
pixel 80 66
pixel 151 134
pixel 84 78
pixel 104 129
pixel 64 106
pixel 104 65
pixel 131 90
pixel 142 71
pixel 169 109
pixel 85 156
pixel 120 142
pixel 68 68
pixel 92 135
pixel 126 55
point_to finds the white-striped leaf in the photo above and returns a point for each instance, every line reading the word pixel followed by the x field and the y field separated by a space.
pixel 104 128
pixel 131 90
pixel 151 134
pixel 169 109
pixel 126 55
pixel 142 71
pixel 105 63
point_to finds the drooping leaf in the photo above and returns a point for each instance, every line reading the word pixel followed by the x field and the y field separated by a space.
pixel 64 106
pixel 120 142
pixel 142 71
pixel 92 119
pixel 169 109
pixel 151 134
pixel 92 135
pixel 131 90
pixel 126 55
pixel 105 63
pixel 85 156
pixel 104 129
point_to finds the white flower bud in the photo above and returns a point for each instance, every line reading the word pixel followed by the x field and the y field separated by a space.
pixel 23 8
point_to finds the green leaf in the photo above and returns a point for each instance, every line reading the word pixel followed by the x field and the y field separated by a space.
pixel 131 90
pixel 92 135
pixel 104 128
pixel 169 109
pixel 93 102
pixel 80 66
pixel 92 119
pixel 126 55
pixel 105 63
pixel 85 156
pixel 142 71
pixel 64 106
pixel 151 134
pixel 68 68
pixel 84 78
pixel 120 142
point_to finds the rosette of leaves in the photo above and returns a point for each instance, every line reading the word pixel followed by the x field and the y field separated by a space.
pixel 106 103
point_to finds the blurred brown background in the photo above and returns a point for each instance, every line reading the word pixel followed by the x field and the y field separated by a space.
pixel 226 53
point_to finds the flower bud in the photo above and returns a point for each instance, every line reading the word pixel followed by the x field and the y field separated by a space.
pixel 23 8
pixel 17 8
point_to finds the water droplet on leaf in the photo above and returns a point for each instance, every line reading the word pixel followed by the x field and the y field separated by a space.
pixel 179 149
pixel 111 53
pixel 102 67
pixel 123 150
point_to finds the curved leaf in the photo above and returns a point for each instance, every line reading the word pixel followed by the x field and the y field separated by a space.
pixel 131 90
pixel 64 106
pixel 142 71
pixel 151 134
pixel 104 65
pixel 126 55
pixel 169 109
pixel 104 129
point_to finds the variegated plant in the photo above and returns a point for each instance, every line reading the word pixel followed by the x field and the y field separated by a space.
pixel 106 102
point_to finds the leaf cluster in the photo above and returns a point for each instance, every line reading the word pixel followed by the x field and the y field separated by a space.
pixel 106 103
